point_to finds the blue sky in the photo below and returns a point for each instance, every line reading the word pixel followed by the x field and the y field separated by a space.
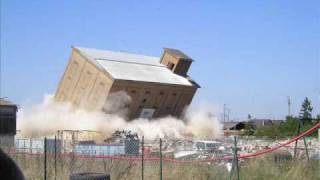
pixel 249 55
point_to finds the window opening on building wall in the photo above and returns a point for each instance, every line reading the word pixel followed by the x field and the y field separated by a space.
pixel 170 65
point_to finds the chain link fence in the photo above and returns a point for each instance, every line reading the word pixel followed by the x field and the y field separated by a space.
pixel 135 158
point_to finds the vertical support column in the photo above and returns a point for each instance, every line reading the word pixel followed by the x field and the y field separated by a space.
pixel 142 158
pixel 160 159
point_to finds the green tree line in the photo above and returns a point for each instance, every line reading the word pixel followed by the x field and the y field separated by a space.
pixel 290 126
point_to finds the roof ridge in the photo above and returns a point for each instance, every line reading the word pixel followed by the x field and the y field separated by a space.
pixel 120 52
pixel 160 65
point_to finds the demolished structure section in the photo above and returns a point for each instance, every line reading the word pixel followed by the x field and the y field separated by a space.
pixel 157 86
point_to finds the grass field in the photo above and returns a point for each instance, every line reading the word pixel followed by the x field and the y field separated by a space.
pixel 259 168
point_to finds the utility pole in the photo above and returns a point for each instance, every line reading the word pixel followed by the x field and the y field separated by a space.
pixel 289 106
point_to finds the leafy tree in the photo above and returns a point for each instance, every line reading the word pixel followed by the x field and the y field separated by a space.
pixel 317 119
pixel 272 131
pixel 290 126
pixel 306 110
pixel 285 129
pixel 249 129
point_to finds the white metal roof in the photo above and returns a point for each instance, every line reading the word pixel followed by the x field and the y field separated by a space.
pixel 134 67
pixel 120 56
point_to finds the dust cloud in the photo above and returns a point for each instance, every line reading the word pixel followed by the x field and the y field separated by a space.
pixel 45 118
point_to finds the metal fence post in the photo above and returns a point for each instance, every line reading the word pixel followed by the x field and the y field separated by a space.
pixel 304 141
pixel 296 143
pixel 45 158
pixel 235 165
pixel 30 146
pixel 142 156
pixel 236 156
pixel 24 146
pixel 55 157
pixel 160 159
pixel 300 128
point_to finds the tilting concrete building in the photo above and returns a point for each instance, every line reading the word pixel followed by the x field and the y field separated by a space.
pixel 157 86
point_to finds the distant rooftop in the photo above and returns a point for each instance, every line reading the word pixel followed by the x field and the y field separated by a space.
pixel 127 66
